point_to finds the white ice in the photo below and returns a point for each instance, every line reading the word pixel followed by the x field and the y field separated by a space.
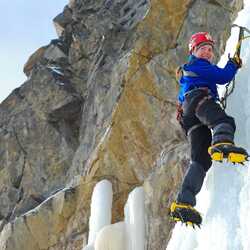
pixel 125 235
pixel 101 205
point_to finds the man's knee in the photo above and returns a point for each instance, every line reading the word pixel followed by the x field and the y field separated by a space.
pixel 205 162
pixel 211 114
pixel 224 132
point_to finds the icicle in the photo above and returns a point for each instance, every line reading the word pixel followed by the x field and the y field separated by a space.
pixel 134 219
pixel 101 205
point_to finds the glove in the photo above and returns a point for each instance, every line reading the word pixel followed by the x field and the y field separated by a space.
pixel 237 61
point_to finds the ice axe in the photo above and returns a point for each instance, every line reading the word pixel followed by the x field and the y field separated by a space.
pixel 240 39
pixel 231 85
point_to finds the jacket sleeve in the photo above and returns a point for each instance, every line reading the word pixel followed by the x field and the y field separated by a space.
pixel 213 73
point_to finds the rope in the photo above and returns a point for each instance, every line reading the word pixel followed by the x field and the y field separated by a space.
pixel 231 85
pixel 229 90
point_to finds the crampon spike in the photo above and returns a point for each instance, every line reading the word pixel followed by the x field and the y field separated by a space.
pixel 186 214
pixel 229 152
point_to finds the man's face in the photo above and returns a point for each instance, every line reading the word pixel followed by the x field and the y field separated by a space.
pixel 204 52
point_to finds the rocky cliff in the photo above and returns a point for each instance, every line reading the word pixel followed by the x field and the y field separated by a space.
pixel 99 102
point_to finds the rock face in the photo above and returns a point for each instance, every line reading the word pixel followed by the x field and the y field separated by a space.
pixel 99 102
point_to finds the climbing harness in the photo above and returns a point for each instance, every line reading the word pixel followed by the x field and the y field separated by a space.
pixel 231 85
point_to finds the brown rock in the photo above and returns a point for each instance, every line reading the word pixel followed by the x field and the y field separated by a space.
pixel 33 59
pixel 114 118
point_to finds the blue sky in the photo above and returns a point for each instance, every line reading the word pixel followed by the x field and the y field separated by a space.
pixel 25 25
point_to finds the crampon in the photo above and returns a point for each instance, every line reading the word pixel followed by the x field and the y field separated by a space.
pixel 186 214
pixel 229 151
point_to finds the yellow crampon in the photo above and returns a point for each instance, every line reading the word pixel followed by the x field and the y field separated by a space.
pixel 217 155
pixel 230 152
pixel 186 214
pixel 237 158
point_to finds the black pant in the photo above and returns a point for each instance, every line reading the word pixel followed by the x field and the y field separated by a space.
pixel 201 114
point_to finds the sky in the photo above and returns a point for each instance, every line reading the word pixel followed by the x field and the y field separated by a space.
pixel 25 26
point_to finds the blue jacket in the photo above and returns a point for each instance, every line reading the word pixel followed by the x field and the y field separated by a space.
pixel 201 73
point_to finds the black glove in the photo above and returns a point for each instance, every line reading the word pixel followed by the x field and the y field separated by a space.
pixel 237 61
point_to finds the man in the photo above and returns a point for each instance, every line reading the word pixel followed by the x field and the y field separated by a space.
pixel 199 112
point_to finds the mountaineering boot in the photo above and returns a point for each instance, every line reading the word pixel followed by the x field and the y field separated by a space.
pixel 228 151
pixel 185 213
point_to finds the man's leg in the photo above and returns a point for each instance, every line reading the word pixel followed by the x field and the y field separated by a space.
pixel 200 140
pixel 211 114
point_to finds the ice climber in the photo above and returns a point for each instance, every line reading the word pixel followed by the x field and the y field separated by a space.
pixel 199 112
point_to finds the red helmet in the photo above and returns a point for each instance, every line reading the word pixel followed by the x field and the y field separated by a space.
pixel 198 39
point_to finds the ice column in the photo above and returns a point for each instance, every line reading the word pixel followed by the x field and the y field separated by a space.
pixel 135 219
pixel 101 207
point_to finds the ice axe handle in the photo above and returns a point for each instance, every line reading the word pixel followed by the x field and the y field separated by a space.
pixel 241 36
